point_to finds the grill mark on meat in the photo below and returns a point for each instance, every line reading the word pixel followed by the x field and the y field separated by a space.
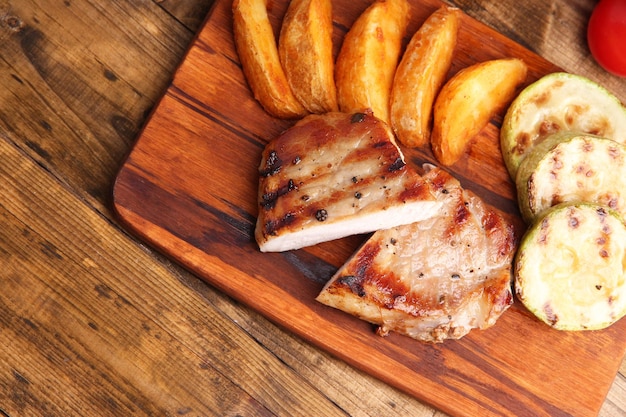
pixel 356 282
pixel 459 218
pixel 382 288
pixel 364 261
pixel 397 165
pixel 431 280
pixel 439 182
pixel 394 293
pixel 496 199
pixel 494 225
pixel 268 200
pixel 416 192
pixel 351 169
pixel 272 226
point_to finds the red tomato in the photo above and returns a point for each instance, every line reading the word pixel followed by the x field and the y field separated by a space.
pixel 606 35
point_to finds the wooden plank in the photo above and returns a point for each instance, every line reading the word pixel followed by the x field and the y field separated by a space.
pixel 165 353
pixel 86 79
pixel 189 188
pixel 556 30
pixel 102 322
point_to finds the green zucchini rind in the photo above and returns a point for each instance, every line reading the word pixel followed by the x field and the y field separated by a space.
pixel 559 102
pixel 569 166
pixel 570 267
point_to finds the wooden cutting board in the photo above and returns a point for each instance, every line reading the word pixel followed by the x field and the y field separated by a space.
pixel 189 188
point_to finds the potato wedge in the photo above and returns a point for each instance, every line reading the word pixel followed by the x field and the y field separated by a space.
pixel 421 73
pixel 469 100
pixel 368 58
pixel 258 53
pixel 305 49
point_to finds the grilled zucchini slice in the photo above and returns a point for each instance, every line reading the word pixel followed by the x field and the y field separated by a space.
pixel 570 267
pixel 559 102
pixel 569 166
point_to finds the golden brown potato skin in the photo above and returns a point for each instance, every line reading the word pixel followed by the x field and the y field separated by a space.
pixel 421 73
pixel 258 53
pixel 305 48
pixel 368 58
pixel 469 100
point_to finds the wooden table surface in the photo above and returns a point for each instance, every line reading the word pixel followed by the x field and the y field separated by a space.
pixel 92 321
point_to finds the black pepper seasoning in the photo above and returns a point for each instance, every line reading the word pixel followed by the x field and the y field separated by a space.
pixel 321 215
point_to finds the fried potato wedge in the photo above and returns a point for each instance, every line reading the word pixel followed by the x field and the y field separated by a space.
pixel 421 73
pixel 258 53
pixel 368 57
pixel 469 100
pixel 305 49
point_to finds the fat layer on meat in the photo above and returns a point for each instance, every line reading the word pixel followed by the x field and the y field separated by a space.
pixel 435 279
pixel 334 175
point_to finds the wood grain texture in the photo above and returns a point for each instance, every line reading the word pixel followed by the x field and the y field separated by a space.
pixel 95 323
pixel 196 203
pixel 555 29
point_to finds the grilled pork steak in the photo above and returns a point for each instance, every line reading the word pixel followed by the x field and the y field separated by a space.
pixel 335 175
pixel 435 279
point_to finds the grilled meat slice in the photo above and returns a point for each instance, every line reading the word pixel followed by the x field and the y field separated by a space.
pixel 435 279
pixel 335 175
